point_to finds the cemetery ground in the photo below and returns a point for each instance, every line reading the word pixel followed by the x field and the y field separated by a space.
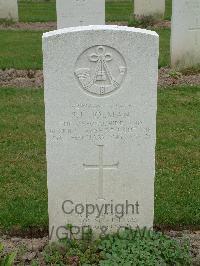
pixel 23 191
pixel 45 11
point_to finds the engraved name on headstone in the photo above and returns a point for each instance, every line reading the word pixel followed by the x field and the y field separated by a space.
pixel 100 101
pixel 73 13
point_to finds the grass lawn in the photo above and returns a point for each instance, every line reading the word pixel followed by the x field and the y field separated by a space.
pixel 164 58
pixel 22 49
pixel 178 153
pixel 23 193
pixel 168 9
pixel 43 11
pixel 37 11
pixel 119 10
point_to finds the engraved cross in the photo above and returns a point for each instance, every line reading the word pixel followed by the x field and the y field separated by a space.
pixel 101 167
pixel 196 29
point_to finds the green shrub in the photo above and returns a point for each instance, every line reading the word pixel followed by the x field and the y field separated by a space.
pixel 6 260
pixel 143 22
pixel 130 247
pixel 6 22
pixel 142 247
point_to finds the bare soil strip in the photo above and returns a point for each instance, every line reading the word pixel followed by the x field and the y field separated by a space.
pixel 21 78
pixel 31 248
pixel 34 78
pixel 169 77
pixel 49 26
pixel 46 26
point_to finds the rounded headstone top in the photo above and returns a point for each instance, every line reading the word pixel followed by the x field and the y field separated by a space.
pixel 99 28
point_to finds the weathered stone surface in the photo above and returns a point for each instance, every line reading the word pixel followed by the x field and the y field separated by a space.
pixel 9 9
pixel 185 33
pixel 100 98
pixel 145 8
pixel 73 13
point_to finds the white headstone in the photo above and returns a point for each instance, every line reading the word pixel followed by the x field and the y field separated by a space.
pixel 145 8
pixel 9 9
pixel 71 13
pixel 185 33
pixel 100 98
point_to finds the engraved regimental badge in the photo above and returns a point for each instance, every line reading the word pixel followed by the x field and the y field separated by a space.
pixel 100 70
